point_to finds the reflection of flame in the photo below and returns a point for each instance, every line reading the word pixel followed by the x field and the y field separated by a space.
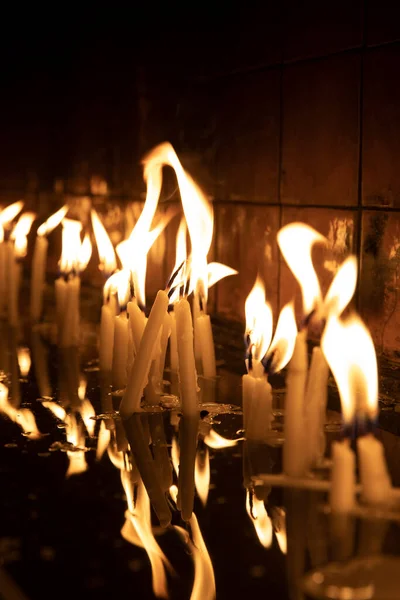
pixel 9 213
pixel 282 345
pixel 117 458
pixel 108 260
pixel 103 440
pixel 82 387
pixel 175 455
pixel 138 525
pixel 22 416
pixel 52 222
pixel 258 320
pixel 261 521
pixel 279 524
pixel 350 352
pixel 202 475
pixel 216 441
pixel 56 409
pixel 75 436
pixel 20 232
pixel 88 413
pixel 24 360
pixel 296 242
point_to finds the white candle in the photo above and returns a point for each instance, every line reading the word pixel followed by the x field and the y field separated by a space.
pixel 13 283
pixel 259 411
pixel 315 407
pixel 67 298
pixel 40 362
pixel 106 338
pixel 197 343
pixel 120 351
pixel 38 276
pixel 139 373
pixel 206 344
pixel 294 450
pixel 187 366
pixel 173 346
pixel 137 323
pixel 342 491
pixel 375 479
pixel 155 385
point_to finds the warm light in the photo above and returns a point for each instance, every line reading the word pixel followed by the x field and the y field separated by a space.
pixel 217 271
pixel 71 246
pixel 296 242
pixel 175 455
pixel 217 442
pixel 204 579
pixel 197 209
pixel 9 213
pixel 21 416
pixel 261 521
pixel 117 458
pixel 24 360
pixel 108 260
pixel 279 525
pixel 103 440
pixel 82 387
pixel 140 519
pixel 284 340
pixel 75 436
pixel 202 475
pixel 52 222
pixel 20 232
pixel 350 353
pixel 180 258
pixel 88 413
pixel 258 320
pixel 342 288
pixel 85 253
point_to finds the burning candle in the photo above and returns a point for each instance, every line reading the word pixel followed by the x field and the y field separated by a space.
pixel 186 359
pixel 74 259
pixel 39 262
pixel 7 215
pixel 121 333
pixel 17 249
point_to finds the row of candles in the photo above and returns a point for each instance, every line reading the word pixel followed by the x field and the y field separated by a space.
pixel 133 347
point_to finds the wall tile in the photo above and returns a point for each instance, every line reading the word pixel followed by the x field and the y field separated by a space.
pixel 320 132
pixel 246 241
pixel 339 228
pixel 248 137
pixel 380 276
pixel 314 28
pixel 382 21
pixel 381 125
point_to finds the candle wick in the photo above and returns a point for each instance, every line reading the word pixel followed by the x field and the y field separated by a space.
pixel 267 362
pixel 174 275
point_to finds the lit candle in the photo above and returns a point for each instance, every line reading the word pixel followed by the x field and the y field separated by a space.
pixel 186 359
pixel 7 215
pixel 17 249
pixel 39 262
pixel 374 474
pixel 342 491
pixel 121 332
pixel 315 407
pixel 139 373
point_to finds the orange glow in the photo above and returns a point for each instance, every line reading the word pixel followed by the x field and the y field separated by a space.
pixel 217 271
pixel 9 213
pixel 76 437
pixel 258 320
pixel 71 246
pixel 175 455
pixel 108 260
pixel 52 222
pixel 261 521
pixel 103 440
pixel 282 345
pixel 342 288
pixel 296 242
pixel 85 253
pixel 56 409
pixel 279 524
pixel 24 360
pixel 350 353
pixel 21 416
pixel 88 413
pixel 202 475
pixel 117 458
pixel 82 387
pixel 20 232
pixel 217 442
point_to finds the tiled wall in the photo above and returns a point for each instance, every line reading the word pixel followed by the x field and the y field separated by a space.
pixel 296 117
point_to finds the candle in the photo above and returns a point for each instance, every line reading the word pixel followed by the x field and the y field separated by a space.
pixel 120 350
pixel 173 346
pixel 206 343
pixel 106 338
pixel 374 475
pixel 315 407
pixel 295 435
pixel 39 262
pixel 17 249
pixel 137 323
pixel 138 375
pixel 342 492
pixel 188 429
pixel 257 407
pixel 186 359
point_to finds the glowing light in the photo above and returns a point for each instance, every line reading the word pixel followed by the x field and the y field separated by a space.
pixel 21 416
pixel 52 222
pixel 258 320
pixel 261 521
pixel 24 360
pixel 9 213
pixel 108 260
pixel 20 232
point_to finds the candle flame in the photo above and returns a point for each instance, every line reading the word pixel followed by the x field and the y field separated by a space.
pixel 342 288
pixel 217 271
pixel 85 253
pixel 350 353
pixel 24 360
pixel 202 475
pixel 258 320
pixel 71 246
pixel 105 249
pixel 52 222
pixel 87 413
pixel 217 442
pixel 103 440
pixel 279 525
pixel 282 345
pixel 9 213
pixel 175 455
pixel 296 242
pixel 76 437
pixel 21 416
pixel 20 232
pixel 261 521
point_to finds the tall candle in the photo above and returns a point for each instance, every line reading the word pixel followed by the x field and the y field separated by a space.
pixel 294 451
pixel 375 478
pixel 257 407
pixel 38 277
pixel 315 407
pixel 342 492
pixel 138 375
pixel 13 278
pixel 106 338
pixel 120 350
pixel 187 366
pixel 206 343
pixel 137 323
pixel 173 346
